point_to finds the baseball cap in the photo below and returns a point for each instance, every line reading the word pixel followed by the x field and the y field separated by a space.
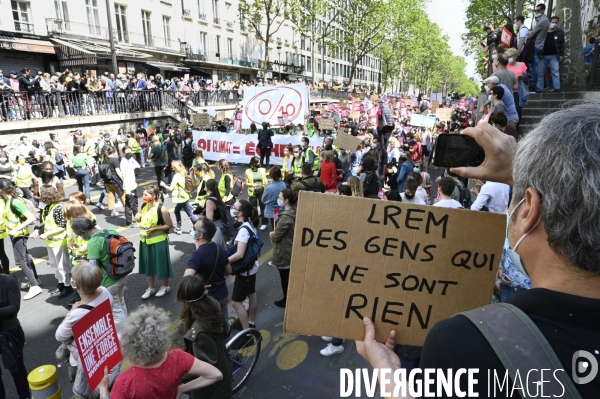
pixel 492 79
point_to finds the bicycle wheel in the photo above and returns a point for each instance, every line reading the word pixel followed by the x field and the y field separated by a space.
pixel 243 350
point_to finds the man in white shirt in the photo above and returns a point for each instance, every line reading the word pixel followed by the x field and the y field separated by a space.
pixel 24 147
pixel 447 185
pixel 409 194
pixel 128 165
pixel 494 196
pixel 522 30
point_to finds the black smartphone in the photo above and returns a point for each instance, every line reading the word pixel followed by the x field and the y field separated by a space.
pixel 456 150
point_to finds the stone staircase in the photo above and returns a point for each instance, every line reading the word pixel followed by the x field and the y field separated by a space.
pixel 540 105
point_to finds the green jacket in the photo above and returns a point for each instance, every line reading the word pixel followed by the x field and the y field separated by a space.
pixel 309 183
pixel 210 348
pixel 283 237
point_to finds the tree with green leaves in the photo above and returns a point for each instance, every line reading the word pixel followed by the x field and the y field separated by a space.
pixel 266 17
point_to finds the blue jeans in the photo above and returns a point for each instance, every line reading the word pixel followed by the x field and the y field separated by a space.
pixel 554 71
pixel 337 342
pixel 507 291
pixel 19 375
pixel 537 54
pixel 409 364
pixel 187 209
pixel 83 180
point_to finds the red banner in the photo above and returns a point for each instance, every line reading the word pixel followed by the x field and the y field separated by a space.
pixel 96 338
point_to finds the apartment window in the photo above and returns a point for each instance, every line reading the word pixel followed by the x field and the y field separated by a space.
pixel 318 66
pixel 203 43
pixel 309 64
pixel 302 60
pixel 62 12
pixel 167 30
pixel 21 16
pixel 308 44
pixel 218 45
pixel 201 10
pixel 230 48
pixel 93 17
pixel 215 9
pixel 121 15
pixel 302 42
pixel 147 28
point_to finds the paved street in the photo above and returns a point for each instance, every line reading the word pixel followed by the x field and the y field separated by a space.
pixel 289 365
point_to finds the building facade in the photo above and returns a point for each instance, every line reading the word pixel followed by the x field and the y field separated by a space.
pixel 173 37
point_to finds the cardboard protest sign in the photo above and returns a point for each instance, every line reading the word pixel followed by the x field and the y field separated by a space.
pixel 346 141
pixel 326 124
pixel 416 120
pixel 405 266
pixel 201 120
pixel 444 114
pixel 221 116
pixel 183 126
pixel 96 339
pixel 434 105
pixel 374 97
pixel 354 114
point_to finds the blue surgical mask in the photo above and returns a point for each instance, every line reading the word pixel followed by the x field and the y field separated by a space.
pixel 538 15
pixel 553 26
pixel 280 203
pixel 516 26
pixel 494 56
pixel 416 170
pixel 510 60
pixel 490 97
pixel 232 212
pixel 512 252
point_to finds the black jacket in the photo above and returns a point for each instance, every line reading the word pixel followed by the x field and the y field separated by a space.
pixel 559 41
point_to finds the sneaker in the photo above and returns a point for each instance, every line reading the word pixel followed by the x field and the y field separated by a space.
pixel 99 205
pixel 149 292
pixel 33 291
pixel 331 350
pixel 68 290
pixel 326 339
pixel 59 288
pixel 166 195
pixel 557 91
pixel 280 303
pixel 546 89
pixel 114 213
pixel 134 225
pixel 263 227
pixel 163 291
pixel 25 285
pixel 178 230
pixel 76 298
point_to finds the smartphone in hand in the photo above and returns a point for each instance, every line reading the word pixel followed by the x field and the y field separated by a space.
pixel 457 150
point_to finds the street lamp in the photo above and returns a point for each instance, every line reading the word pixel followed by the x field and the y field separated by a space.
pixel 279 53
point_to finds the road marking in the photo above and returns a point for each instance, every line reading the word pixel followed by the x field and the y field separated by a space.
pixel 292 355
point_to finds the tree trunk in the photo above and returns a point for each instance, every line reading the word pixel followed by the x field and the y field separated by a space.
pixel 352 72
pixel 323 59
pixel 519 8
pixel 572 67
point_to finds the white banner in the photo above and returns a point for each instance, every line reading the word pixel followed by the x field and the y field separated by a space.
pixel 239 148
pixel 270 103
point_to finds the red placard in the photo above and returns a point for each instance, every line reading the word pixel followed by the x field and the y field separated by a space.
pixel 506 37
pixel 96 338
pixel 414 103
pixel 345 113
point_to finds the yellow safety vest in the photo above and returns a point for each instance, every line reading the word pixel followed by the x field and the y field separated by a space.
pixel 77 242
pixel 149 220
pixel 222 188
pixel 297 167
pixel 317 161
pixel 52 155
pixel 90 149
pixel 250 179
pixel 24 176
pixel 179 194
pixel 134 145
pixel 55 240
pixel 12 220
pixel 201 199
pixel 3 230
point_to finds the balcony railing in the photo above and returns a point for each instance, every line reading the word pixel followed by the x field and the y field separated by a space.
pixel 242 27
pixel 23 27
pixel 202 17
pixel 230 24
pixel 76 29
pixel 216 20
pixel 187 12
pixel 221 58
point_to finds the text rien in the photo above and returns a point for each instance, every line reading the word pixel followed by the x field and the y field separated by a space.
pixel 429 383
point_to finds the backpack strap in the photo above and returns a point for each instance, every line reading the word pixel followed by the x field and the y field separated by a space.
pixel 520 345
pixel 161 221
pixel 87 307
pixel 216 261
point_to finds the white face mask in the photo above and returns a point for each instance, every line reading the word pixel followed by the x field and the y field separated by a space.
pixel 512 252
pixel 280 203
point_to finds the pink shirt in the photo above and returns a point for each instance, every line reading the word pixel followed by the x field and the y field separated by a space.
pixel 518 70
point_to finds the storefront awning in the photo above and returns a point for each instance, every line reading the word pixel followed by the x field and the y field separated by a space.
pixel 28 45
pixel 77 52
pixel 169 66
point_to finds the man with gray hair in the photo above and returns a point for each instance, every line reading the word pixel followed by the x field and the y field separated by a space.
pixel 555 240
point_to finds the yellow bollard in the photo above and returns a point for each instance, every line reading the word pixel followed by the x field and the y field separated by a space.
pixel 43 383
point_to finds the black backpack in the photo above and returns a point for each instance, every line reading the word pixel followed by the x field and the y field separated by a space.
pixel 371 186
pixel 187 151
pixel 178 138
pixel 465 194
pixel 226 219
pixel 106 172
pixel 314 188
pixel 423 106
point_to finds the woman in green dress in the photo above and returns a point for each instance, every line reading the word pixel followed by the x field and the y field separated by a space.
pixel 155 259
